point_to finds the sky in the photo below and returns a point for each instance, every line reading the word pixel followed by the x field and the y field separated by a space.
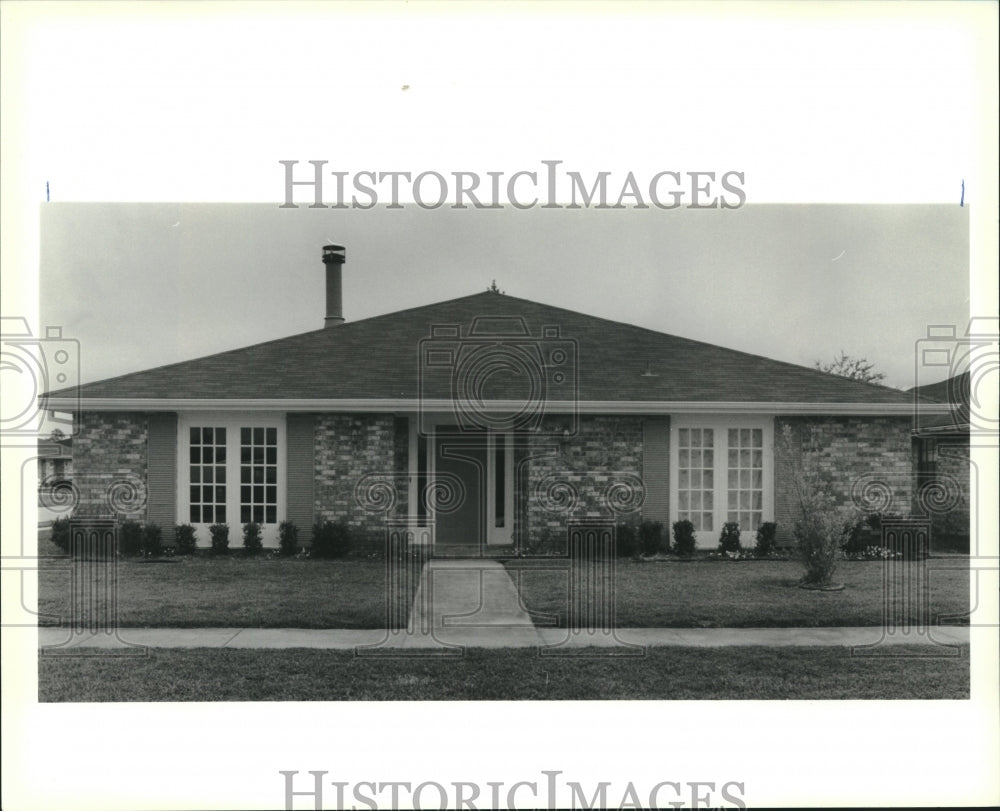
pixel 142 284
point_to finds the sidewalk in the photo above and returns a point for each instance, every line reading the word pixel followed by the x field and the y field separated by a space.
pixel 486 637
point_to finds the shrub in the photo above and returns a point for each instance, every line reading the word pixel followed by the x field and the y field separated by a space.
pixel 820 535
pixel 130 538
pixel 729 539
pixel 220 538
pixel 152 540
pixel 60 533
pixel 822 527
pixel 864 540
pixel 547 542
pixel 331 540
pixel 684 540
pixel 186 540
pixel 766 539
pixel 288 538
pixel 651 538
pixel 865 531
pixel 251 538
pixel 367 543
pixel 949 531
pixel 626 541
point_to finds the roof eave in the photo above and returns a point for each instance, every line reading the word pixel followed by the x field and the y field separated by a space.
pixel 391 405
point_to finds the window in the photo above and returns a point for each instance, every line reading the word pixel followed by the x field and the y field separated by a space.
pixel 207 473
pixel 926 460
pixel 696 477
pixel 721 470
pixel 231 470
pixel 259 475
pixel 745 478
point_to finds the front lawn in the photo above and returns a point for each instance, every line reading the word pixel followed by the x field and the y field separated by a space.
pixel 266 592
pixel 663 673
pixel 235 591
pixel 743 594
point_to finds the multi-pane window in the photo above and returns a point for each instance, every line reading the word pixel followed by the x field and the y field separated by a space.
pixel 207 475
pixel 745 479
pixel 696 482
pixel 259 475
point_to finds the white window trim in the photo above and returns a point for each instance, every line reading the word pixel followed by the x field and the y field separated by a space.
pixel 709 539
pixel 232 422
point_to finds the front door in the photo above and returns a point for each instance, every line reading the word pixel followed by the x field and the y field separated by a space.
pixel 458 493
pixel 472 497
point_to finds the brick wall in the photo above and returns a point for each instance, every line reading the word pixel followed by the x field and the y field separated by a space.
pixel 595 474
pixel 946 499
pixel 867 462
pixel 109 464
pixel 349 448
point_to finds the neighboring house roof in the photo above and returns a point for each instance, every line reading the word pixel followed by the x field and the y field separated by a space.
pixel 377 359
pixel 956 391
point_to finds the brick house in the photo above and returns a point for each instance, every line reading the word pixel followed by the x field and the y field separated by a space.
pixel 481 423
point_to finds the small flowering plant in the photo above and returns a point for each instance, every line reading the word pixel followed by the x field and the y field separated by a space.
pixel 736 554
pixel 873 553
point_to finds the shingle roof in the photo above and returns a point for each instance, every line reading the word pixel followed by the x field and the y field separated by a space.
pixel 379 358
pixel 955 390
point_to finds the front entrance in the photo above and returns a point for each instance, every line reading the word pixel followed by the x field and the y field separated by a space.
pixel 472 491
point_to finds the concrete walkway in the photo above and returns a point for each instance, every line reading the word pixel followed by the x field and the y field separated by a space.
pixel 474 603
pixel 470 603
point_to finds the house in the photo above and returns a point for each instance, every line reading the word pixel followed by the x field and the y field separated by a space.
pixel 55 461
pixel 478 424
pixel 943 460
pixel 55 474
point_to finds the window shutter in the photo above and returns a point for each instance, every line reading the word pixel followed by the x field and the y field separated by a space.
pixel 161 473
pixel 656 469
pixel 300 472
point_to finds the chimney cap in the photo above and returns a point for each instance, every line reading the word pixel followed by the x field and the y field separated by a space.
pixel 334 253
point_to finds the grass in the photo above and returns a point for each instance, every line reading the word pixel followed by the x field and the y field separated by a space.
pixel 738 594
pixel 235 591
pixel 266 592
pixel 664 673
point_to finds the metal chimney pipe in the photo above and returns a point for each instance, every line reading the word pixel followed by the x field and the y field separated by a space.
pixel 334 258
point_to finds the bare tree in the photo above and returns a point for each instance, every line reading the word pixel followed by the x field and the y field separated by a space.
pixel 854 368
